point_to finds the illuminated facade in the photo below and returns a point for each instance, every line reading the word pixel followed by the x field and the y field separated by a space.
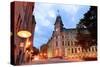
pixel 62 44
pixel 43 51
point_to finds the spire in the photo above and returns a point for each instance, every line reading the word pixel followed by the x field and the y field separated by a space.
pixel 58 18
pixel 58 12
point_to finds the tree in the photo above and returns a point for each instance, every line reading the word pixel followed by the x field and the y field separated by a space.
pixel 89 24
pixel 90 21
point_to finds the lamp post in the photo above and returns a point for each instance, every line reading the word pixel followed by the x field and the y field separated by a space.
pixel 24 30
pixel 22 26
pixel 23 45
pixel 21 53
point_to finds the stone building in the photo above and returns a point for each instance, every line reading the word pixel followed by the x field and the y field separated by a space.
pixel 62 44
pixel 43 51
pixel 22 27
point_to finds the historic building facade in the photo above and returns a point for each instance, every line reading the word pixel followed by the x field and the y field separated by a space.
pixel 62 44
pixel 22 30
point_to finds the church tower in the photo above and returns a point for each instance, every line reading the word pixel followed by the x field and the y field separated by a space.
pixel 57 37
pixel 58 24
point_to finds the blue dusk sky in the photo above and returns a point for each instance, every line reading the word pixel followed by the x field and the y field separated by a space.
pixel 45 16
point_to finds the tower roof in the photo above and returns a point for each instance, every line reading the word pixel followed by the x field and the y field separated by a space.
pixel 58 19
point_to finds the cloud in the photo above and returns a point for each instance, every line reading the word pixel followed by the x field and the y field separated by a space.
pixel 52 14
pixel 71 9
pixel 45 15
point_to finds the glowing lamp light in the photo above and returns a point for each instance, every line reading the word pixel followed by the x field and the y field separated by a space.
pixel 24 34
pixel 27 44
pixel 41 54
pixel 27 51
pixel 45 54
pixel 36 58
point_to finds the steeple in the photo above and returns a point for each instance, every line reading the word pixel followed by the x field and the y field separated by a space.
pixel 58 18
pixel 58 23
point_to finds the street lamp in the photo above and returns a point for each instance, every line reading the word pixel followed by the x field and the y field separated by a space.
pixel 36 57
pixel 24 34
pixel 21 53
pixel 24 29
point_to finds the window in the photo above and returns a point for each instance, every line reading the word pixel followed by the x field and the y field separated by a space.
pixel 96 48
pixel 72 50
pixel 62 36
pixel 71 42
pixel 58 37
pixel 68 43
pixel 79 48
pixel 56 44
pixel 65 43
pixel 92 48
pixel 75 50
pixel 62 43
